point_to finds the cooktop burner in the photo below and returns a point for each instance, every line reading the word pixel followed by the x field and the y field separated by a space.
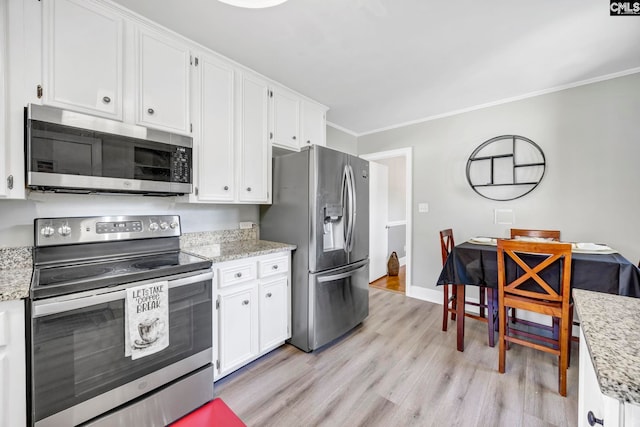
pixel 64 279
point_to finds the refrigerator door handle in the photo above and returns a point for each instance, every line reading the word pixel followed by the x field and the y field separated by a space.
pixel 339 276
pixel 353 209
pixel 346 200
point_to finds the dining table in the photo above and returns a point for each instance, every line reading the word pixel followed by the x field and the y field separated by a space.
pixel 476 264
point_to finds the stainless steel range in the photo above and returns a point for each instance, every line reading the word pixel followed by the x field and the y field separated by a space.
pixel 86 366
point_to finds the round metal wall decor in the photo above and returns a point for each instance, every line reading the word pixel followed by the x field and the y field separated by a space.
pixel 506 167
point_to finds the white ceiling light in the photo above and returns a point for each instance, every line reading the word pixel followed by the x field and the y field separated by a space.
pixel 253 4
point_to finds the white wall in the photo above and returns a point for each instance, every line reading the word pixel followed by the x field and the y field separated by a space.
pixel 591 139
pixel 397 187
pixel 16 216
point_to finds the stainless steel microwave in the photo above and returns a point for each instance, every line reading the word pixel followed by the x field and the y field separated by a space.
pixel 77 153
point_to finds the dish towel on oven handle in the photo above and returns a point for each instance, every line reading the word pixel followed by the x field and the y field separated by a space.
pixel 146 319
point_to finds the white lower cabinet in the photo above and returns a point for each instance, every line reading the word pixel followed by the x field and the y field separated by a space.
pixel 13 395
pixel 592 404
pixel 253 309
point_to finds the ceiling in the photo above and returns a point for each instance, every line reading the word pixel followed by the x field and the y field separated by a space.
pixel 381 63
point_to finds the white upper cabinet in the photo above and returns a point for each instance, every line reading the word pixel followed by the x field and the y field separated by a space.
pixel 214 120
pixel 163 82
pixel 314 124
pixel 254 156
pixel 83 57
pixel 4 135
pixel 285 119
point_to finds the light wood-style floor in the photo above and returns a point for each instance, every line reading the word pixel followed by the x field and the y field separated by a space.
pixel 399 369
pixel 392 283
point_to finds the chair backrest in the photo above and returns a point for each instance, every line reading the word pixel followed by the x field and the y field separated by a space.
pixel 446 243
pixel 546 234
pixel 534 259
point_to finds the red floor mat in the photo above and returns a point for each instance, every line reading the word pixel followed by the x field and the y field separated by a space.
pixel 215 413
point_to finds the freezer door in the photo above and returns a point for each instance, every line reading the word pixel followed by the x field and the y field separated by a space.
pixel 338 301
pixel 328 228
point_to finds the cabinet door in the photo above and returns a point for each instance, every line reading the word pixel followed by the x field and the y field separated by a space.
pixel 163 73
pixel 274 313
pixel 285 119
pixel 238 326
pixel 216 120
pixel 313 124
pixel 13 395
pixel 590 398
pixel 4 136
pixel 254 168
pixel 82 57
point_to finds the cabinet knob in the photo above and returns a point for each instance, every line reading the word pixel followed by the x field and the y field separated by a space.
pixel 248 188
pixel 308 141
pixel 106 99
pixel 238 274
pixel 150 110
pixel 294 137
pixel 226 187
pixel 245 302
pixel 269 295
pixel 592 420
pixel 274 267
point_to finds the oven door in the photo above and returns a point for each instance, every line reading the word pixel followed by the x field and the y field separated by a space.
pixel 78 364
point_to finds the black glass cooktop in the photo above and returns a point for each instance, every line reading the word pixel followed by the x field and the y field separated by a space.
pixel 65 279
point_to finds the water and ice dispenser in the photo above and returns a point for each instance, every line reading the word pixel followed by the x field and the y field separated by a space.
pixel 333 234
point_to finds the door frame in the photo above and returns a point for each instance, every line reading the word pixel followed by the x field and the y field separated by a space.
pixel 407 153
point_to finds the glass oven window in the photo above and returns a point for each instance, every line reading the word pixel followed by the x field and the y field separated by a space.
pixel 79 354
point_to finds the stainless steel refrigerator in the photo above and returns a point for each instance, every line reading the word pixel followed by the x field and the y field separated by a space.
pixel 321 204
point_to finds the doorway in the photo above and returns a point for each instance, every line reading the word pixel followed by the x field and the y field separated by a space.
pixel 390 216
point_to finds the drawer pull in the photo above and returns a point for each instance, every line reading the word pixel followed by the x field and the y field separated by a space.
pixel 592 420
pixel 269 295
pixel 274 267
pixel 150 110
pixel 106 99
pixel 245 302
pixel 238 274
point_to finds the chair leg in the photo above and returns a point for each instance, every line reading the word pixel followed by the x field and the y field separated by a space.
pixel 513 315
pixel 564 356
pixel 502 313
pixel 454 302
pixel 445 307
pixel 482 291
pixel 491 317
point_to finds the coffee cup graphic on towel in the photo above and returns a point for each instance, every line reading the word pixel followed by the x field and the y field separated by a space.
pixel 150 330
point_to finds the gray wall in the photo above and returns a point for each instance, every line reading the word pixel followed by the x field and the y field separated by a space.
pixel 591 139
pixel 341 140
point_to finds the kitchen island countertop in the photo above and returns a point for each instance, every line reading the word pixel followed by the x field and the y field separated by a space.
pixel 610 325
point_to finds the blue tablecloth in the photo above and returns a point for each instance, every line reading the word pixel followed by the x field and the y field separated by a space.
pixel 473 264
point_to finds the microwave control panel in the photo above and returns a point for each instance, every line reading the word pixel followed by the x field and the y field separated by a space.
pixel 181 165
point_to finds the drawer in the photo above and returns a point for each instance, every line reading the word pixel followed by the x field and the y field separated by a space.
pixel 273 266
pixel 237 274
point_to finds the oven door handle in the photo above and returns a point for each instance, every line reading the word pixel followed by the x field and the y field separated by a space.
pixel 73 302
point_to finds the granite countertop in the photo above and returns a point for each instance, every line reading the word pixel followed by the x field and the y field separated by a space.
pixel 611 326
pixel 227 251
pixel 15 273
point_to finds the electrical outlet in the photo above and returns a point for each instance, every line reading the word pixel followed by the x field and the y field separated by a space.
pixel 245 225
pixel 423 207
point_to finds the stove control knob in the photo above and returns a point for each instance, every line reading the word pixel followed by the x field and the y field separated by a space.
pixel 47 231
pixel 65 230
pixel 164 226
pixel 173 225
pixel 153 226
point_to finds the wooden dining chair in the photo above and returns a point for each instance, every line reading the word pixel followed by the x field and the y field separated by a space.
pixel 527 232
pixel 450 300
pixel 545 234
pixel 528 282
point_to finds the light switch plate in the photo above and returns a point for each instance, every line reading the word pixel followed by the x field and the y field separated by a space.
pixel 423 207
pixel 503 216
